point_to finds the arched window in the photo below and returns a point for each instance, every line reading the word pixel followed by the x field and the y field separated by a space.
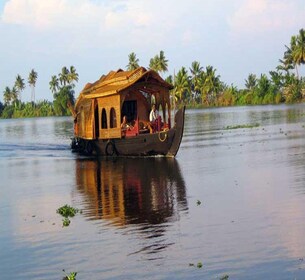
pixel 104 119
pixel 113 122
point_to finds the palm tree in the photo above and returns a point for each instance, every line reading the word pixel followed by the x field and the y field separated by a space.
pixel 298 53
pixel 14 95
pixel 289 54
pixel 133 62
pixel 250 83
pixel 169 79
pixel 284 66
pixel 153 63
pixel 19 85
pixel 72 76
pixel 211 84
pixel 263 85
pixel 196 71
pixel 7 96
pixel 63 76
pixel 277 79
pixel 54 84
pixel 162 62
pixel 32 82
pixel 158 63
pixel 182 85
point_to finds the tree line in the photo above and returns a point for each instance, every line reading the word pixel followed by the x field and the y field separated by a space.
pixel 200 86
pixel 61 85
pixel 196 86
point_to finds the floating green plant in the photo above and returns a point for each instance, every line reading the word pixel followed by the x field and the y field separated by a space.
pixel 70 276
pixel 66 222
pixel 224 277
pixel 242 126
pixel 198 202
pixel 67 212
pixel 199 265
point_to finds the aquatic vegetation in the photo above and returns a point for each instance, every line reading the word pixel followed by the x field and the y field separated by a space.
pixel 67 212
pixel 224 277
pixel 66 222
pixel 198 202
pixel 199 265
pixel 242 126
pixel 70 276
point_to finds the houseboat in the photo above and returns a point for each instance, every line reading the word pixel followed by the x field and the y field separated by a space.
pixel 112 116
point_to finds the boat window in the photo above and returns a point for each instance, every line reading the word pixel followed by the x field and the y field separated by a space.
pixel 104 118
pixel 113 122
pixel 129 110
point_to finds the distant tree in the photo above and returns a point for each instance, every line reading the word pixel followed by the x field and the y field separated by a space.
pixel 277 79
pixel 64 76
pixel 158 63
pixel 169 79
pixel 210 85
pixel 61 99
pixel 182 85
pixel 196 70
pixel 263 86
pixel 19 85
pixel 153 63
pixel 133 62
pixel 1 108
pixel 298 52
pixel 32 82
pixel 54 84
pixel 7 96
pixel 162 63
pixel 251 82
pixel 14 95
pixel 284 66
pixel 288 59
pixel 72 76
pixel 227 98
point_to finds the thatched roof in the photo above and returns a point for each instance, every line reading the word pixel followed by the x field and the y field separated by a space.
pixel 117 81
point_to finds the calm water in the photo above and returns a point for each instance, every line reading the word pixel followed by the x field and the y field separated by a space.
pixel 141 218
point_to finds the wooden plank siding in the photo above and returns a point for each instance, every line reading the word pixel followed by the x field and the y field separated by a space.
pixel 85 120
pixel 108 103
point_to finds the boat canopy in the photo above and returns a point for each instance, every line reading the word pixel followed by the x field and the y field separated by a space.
pixel 101 105
pixel 116 82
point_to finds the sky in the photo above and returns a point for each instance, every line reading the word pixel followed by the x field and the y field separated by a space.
pixel 237 37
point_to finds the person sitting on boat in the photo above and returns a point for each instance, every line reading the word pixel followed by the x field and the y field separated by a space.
pixel 155 119
pixel 125 125
pixel 154 114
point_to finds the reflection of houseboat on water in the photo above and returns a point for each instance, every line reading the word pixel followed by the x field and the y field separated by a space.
pixel 124 191
pixel 127 95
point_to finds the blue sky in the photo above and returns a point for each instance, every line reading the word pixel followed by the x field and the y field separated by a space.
pixel 237 37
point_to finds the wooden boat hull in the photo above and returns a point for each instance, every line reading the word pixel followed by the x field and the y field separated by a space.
pixel 163 143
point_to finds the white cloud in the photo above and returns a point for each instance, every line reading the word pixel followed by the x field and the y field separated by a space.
pixel 98 22
pixel 45 15
pixel 266 16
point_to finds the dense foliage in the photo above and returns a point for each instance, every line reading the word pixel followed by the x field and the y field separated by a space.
pixel 61 86
pixel 196 87
pixel 203 87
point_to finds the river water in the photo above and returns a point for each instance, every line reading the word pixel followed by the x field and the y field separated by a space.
pixel 232 203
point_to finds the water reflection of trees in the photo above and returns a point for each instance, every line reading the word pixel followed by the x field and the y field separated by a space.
pixel 131 191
